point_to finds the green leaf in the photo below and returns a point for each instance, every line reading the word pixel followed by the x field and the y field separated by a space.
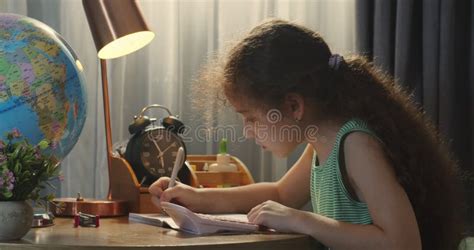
pixel 17 168
pixel 43 144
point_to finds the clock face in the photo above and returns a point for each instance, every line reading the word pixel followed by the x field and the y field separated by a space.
pixel 158 151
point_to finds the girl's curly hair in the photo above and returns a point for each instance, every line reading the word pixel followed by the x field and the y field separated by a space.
pixel 278 57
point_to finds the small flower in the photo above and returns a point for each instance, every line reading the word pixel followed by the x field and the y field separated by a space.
pixel 2 145
pixel 16 133
pixel 53 144
pixel 10 176
pixel 7 181
pixel 3 158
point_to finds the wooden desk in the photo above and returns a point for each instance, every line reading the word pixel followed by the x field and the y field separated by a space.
pixel 120 233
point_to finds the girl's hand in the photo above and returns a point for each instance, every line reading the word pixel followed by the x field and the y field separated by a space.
pixel 181 194
pixel 274 215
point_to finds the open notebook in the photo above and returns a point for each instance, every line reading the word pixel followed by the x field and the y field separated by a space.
pixel 184 219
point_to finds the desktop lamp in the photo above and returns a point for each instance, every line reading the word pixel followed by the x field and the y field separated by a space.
pixel 118 28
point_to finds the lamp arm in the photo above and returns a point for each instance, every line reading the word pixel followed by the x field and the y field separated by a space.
pixel 108 128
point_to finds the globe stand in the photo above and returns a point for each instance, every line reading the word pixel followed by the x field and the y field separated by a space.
pixel 72 206
pixel 105 208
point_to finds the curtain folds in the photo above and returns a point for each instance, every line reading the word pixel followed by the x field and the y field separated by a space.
pixel 428 47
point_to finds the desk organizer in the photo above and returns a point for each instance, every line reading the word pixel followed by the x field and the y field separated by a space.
pixel 125 186
pixel 202 178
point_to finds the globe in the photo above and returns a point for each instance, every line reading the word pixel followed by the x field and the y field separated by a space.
pixel 42 91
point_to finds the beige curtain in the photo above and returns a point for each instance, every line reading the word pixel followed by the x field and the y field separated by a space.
pixel 187 33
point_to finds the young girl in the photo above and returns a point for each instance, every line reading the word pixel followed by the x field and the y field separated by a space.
pixel 380 179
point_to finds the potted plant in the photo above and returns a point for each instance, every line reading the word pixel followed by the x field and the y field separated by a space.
pixel 25 170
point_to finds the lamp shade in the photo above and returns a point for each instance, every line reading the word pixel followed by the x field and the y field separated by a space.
pixel 117 26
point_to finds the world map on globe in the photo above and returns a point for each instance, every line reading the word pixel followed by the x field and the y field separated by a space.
pixel 42 91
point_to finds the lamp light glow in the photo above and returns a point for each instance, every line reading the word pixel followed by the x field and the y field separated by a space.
pixel 126 44
pixel 117 26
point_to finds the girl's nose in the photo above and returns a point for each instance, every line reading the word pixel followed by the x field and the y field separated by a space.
pixel 248 132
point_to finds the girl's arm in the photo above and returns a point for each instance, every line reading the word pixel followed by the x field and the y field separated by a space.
pixel 394 223
pixel 292 190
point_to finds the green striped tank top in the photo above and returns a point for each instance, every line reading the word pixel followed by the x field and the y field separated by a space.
pixel 329 196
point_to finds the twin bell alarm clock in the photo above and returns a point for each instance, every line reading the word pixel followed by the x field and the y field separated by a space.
pixel 153 147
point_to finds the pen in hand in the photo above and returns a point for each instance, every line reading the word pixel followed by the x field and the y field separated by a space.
pixel 178 163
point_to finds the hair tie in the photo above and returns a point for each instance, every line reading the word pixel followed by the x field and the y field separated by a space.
pixel 335 61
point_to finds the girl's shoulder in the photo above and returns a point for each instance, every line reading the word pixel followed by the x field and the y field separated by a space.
pixel 355 124
pixel 357 132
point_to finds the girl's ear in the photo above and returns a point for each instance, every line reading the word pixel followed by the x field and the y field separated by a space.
pixel 295 105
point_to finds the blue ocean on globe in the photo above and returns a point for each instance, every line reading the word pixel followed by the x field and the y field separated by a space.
pixel 42 91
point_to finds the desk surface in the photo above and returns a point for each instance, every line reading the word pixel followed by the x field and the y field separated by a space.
pixel 119 232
